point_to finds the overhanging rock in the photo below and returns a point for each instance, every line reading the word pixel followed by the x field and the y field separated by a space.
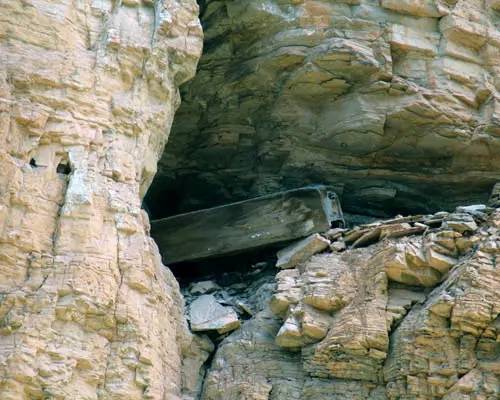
pixel 248 224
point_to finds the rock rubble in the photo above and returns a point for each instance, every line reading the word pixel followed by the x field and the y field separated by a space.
pixel 410 314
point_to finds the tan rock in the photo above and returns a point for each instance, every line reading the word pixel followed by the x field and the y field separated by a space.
pixel 364 94
pixel 390 100
pixel 288 291
pixel 441 339
pixel 394 260
pixel 315 324
pixel 364 336
pixel 290 334
pixel 461 222
pixel 88 91
pixel 300 251
pixel 439 261
pixel 422 8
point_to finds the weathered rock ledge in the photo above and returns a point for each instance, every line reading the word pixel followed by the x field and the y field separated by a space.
pixel 395 102
pixel 406 308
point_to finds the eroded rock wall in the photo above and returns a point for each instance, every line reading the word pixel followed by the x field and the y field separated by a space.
pixel 404 313
pixel 385 98
pixel 396 102
pixel 88 90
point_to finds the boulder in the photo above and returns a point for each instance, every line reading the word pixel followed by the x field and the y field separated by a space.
pixel 206 314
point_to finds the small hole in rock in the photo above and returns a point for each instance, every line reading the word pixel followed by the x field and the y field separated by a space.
pixel 33 163
pixel 63 168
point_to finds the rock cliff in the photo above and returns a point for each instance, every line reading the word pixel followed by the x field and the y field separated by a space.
pixel 410 310
pixel 394 101
pixel 88 91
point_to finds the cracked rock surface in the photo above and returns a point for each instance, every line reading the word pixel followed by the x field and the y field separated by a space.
pixel 88 91
pixel 344 325
pixel 395 102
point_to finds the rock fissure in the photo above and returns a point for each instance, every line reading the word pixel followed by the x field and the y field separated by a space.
pixel 115 335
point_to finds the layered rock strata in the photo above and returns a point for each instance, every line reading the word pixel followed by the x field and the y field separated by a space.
pixel 410 314
pixel 396 102
pixel 88 91
pixel 293 91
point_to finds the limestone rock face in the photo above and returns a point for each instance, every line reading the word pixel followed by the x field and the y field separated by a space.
pixel 396 101
pixel 88 91
pixel 413 317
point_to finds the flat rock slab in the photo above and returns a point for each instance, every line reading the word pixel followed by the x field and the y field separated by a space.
pixel 206 314
pixel 247 225
pixel 300 251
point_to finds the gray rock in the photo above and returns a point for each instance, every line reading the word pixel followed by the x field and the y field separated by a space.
pixel 494 200
pixel 338 246
pixel 356 91
pixel 478 211
pixel 206 314
pixel 472 209
pixel 193 365
pixel 244 307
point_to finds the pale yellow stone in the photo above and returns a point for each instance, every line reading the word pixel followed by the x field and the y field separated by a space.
pixel 87 97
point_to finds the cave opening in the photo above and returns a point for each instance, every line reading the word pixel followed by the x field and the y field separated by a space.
pixel 239 134
pixel 235 237
pixel 248 129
